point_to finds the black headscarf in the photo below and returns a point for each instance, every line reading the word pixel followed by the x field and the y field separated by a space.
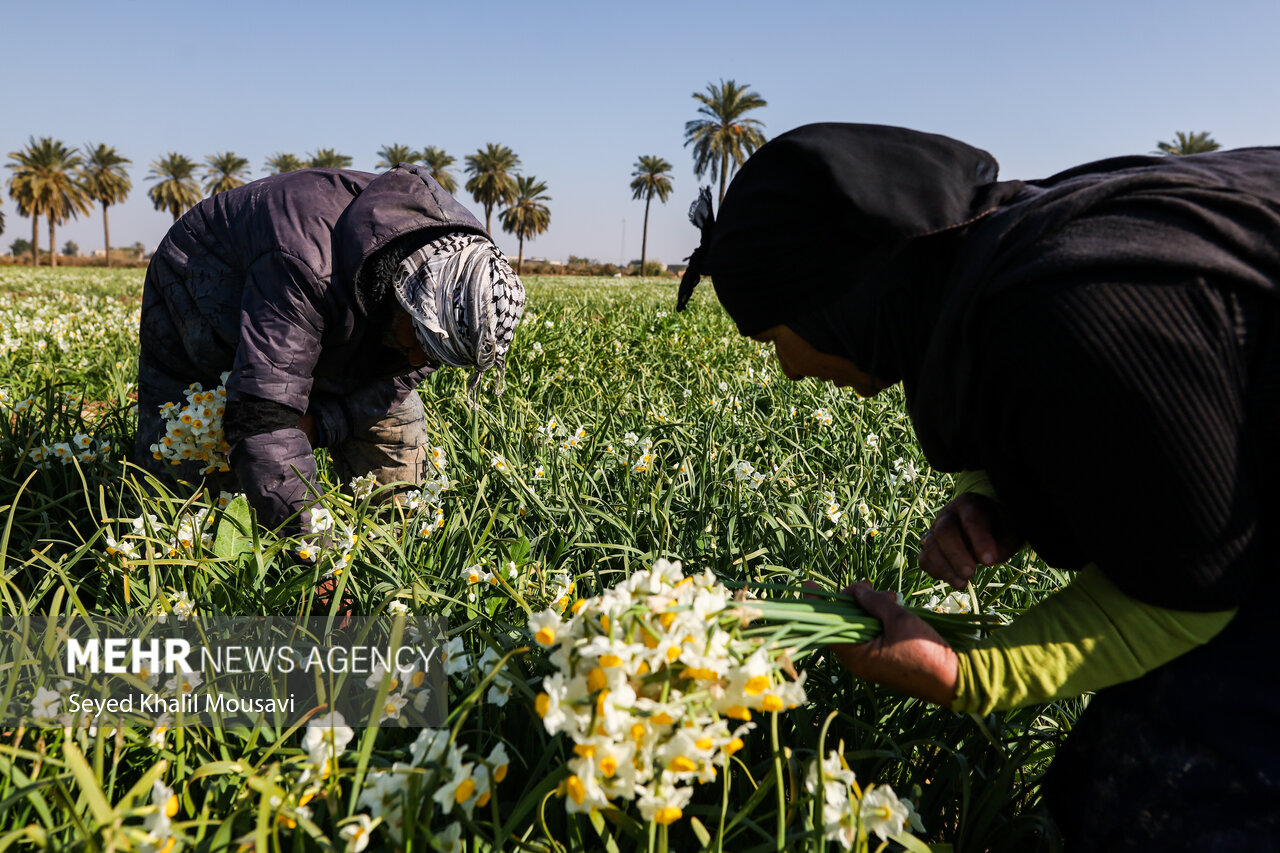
pixel 846 233
pixel 866 241
pixel 813 213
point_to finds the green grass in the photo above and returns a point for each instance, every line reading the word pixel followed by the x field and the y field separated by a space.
pixel 612 358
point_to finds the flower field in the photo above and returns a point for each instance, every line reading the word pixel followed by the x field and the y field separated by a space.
pixel 612 545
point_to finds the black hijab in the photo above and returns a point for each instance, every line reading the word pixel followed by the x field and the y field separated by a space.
pixel 845 233
pixel 863 240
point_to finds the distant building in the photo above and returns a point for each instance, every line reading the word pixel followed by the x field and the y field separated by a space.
pixel 678 269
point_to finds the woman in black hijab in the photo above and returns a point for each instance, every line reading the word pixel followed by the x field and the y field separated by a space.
pixel 1105 345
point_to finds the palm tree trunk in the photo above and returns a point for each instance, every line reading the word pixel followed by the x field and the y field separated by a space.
pixel 106 233
pixel 520 255
pixel 724 174
pixel 35 240
pixel 488 220
pixel 644 232
pixel 53 254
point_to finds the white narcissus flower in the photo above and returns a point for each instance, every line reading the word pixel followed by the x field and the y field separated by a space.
pixel 159 837
pixel 183 682
pixel 392 707
pixel 458 790
pixel 545 626
pixel 326 739
pixel 383 793
pixel 663 802
pixel 357 833
pixel 455 657
pixel 499 761
pixel 362 487
pixel 429 746
pixel 882 813
pixel 449 839
pixel 45 704
pixel 321 520
pixel 953 603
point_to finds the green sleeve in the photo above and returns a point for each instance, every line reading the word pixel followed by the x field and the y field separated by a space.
pixel 974 481
pixel 1085 637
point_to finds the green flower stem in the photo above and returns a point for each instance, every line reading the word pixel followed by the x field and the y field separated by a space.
pixel 782 794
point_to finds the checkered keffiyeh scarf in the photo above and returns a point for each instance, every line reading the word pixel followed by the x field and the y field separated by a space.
pixel 465 301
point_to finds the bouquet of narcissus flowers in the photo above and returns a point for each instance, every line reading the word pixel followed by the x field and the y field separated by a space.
pixel 655 687
pixel 656 681
pixel 194 432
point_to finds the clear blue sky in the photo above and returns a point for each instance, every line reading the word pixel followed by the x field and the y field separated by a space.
pixel 580 89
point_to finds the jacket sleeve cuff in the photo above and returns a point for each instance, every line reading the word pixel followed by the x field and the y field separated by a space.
pixel 277 473
pixel 976 482
pixel 332 418
pixel 1083 638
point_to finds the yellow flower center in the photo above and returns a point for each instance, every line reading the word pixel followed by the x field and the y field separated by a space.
pixel 596 680
pixel 704 743
pixel 484 799
pixel 680 764
pixel 756 685
pixel 701 673
pixel 546 636
pixel 500 773
pixel 637 731
pixel 465 789
pixel 610 660
pixel 576 789
pixel 171 805
pixel 772 703
pixel 542 704
pixel 586 750
pixel 608 766
pixel 733 746
pixel 667 815
pixel 738 712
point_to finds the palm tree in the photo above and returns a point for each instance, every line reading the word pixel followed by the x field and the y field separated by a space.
pixel 46 183
pixel 225 171
pixel 1189 143
pixel 391 155
pixel 327 158
pixel 439 162
pixel 278 163
pixel 651 177
pixel 527 216
pixel 106 181
pixel 491 182
pixel 724 134
pixel 178 190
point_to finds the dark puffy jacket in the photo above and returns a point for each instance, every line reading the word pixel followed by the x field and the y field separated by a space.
pixel 261 281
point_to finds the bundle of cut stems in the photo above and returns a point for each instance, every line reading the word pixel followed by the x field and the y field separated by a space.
pixel 819 618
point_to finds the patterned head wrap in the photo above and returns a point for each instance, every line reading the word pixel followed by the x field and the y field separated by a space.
pixel 465 301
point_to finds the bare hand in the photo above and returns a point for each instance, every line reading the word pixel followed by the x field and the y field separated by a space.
pixel 971 529
pixel 909 655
